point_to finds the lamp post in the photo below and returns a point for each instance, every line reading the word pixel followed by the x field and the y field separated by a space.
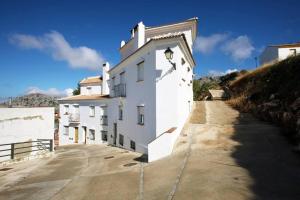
pixel 169 56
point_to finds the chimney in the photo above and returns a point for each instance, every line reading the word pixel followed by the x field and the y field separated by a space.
pixel 105 78
pixel 138 34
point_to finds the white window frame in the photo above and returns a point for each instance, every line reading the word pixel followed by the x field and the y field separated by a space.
pixel 92 134
pixel 66 109
pixel 92 111
pixel 140 71
pixel 293 52
pixel 141 115
pixel 121 112
pixel 66 130
pixel 89 90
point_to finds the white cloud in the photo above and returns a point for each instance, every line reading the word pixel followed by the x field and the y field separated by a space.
pixel 50 91
pixel 220 73
pixel 239 48
pixel 207 44
pixel 55 44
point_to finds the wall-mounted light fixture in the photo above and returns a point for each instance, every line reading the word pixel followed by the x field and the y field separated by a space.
pixel 169 56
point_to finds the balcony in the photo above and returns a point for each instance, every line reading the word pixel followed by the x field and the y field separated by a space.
pixel 74 118
pixel 103 120
pixel 120 90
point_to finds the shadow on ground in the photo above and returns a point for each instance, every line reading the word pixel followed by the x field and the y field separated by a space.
pixel 268 158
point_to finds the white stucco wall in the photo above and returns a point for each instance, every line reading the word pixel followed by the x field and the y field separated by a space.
pixel 273 54
pixel 90 122
pixel 25 124
pixel 137 93
pixel 283 53
pixel 95 89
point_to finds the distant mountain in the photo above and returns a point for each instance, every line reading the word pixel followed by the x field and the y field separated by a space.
pixel 33 100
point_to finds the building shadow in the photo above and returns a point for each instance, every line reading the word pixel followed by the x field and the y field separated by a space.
pixel 268 157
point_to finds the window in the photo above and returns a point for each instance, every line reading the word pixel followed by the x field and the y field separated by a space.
pixel 92 111
pixel 140 71
pixel 293 52
pixel 113 83
pixel 188 69
pixel 120 112
pixel 89 90
pixel 182 61
pixel 66 109
pixel 141 119
pixel 132 144
pixel 121 139
pixel 66 131
pixel 104 135
pixel 92 134
pixel 122 78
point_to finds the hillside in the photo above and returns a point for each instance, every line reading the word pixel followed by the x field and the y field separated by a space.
pixel 33 100
pixel 272 93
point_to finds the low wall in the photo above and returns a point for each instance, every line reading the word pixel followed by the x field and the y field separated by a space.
pixel 25 124
pixel 163 145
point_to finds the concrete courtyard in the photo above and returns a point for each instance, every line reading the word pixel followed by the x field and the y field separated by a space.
pixel 221 154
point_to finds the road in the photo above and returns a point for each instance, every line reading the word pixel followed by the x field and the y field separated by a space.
pixel 221 154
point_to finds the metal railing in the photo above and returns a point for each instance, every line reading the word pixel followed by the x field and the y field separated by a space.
pixel 19 148
pixel 120 90
pixel 74 117
pixel 103 120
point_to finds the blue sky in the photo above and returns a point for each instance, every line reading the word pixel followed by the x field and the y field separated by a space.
pixel 46 45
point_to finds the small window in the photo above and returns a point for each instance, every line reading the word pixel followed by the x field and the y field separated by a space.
pixel 141 118
pixel 140 71
pixel 188 69
pixel 89 90
pixel 104 135
pixel 66 109
pixel 293 52
pixel 66 131
pixel 121 139
pixel 120 112
pixel 132 144
pixel 92 111
pixel 92 134
pixel 122 78
pixel 113 83
pixel 182 61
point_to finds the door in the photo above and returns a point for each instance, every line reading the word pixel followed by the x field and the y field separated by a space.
pixel 84 134
pixel 115 134
pixel 76 134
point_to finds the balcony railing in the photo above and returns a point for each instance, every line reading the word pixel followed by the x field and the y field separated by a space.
pixel 120 90
pixel 74 117
pixel 103 120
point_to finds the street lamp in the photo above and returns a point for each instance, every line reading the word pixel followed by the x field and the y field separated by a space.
pixel 169 56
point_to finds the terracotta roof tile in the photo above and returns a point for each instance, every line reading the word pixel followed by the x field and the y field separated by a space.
pixel 85 97
pixel 91 80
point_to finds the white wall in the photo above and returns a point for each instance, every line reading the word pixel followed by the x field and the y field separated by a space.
pixel 285 52
pixel 86 120
pixel 137 93
pixel 25 124
pixel 95 89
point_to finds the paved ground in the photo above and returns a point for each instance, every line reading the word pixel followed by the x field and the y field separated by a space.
pixel 221 154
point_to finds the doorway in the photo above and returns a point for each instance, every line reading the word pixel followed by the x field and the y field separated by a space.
pixel 115 134
pixel 84 133
pixel 76 134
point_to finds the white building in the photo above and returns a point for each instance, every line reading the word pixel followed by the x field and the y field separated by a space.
pixel 274 53
pixel 144 100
